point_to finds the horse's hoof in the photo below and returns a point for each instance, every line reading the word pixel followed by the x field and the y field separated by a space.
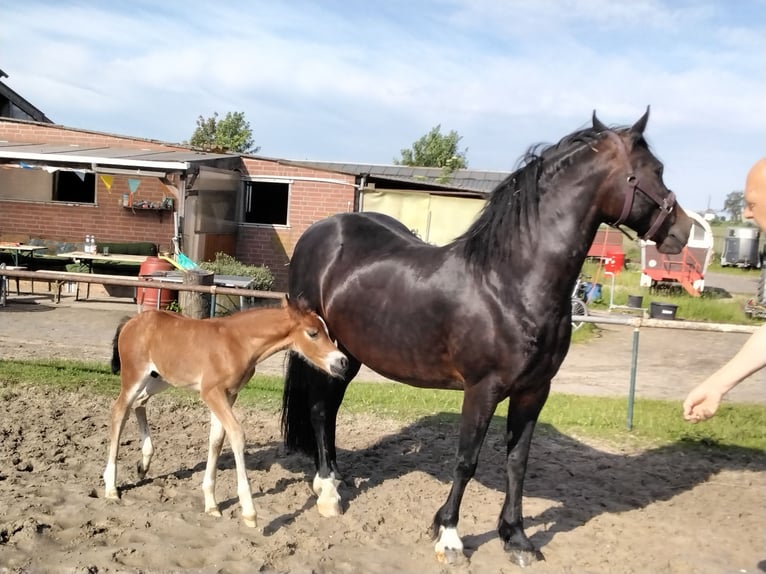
pixel 213 512
pixel 140 470
pixel 329 508
pixel 111 494
pixel 250 521
pixel 525 558
pixel 452 557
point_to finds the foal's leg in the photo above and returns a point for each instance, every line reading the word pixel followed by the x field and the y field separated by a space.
pixel 477 411
pixel 154 386
pixel 130 386
pixel 220 403
pixel 522 416
pixel 217 436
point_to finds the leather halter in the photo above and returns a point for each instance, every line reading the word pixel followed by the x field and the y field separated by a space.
pixel 666 204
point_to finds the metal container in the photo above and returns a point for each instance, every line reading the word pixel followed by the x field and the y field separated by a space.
pixel 740 247
pixel 662 310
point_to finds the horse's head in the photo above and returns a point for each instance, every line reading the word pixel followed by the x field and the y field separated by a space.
pixel 635 193
pixel 311 339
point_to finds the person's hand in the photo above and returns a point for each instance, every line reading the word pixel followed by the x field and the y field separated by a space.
pixel 701 403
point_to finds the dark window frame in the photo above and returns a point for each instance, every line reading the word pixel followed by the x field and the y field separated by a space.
pixel 266 202
pixel 69 187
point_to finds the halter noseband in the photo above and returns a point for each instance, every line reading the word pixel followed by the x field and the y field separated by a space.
pixel 666 204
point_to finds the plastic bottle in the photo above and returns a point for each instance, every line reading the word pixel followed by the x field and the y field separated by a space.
pixel 86 245
pixel 93 247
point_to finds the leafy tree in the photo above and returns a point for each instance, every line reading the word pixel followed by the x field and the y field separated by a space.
pixel 734 205
pixel 232 133
pixel 435 150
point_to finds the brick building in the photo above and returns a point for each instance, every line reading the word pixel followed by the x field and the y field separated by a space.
pixel 60 183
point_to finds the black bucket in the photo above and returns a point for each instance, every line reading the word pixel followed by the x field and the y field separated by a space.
pixel 662 310
pixel 635 301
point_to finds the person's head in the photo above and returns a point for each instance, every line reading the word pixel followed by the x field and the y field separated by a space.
pixel 755 194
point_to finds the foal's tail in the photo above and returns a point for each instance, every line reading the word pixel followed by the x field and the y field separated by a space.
pixel 116 365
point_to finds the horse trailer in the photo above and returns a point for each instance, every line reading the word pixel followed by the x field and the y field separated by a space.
pixel 740 248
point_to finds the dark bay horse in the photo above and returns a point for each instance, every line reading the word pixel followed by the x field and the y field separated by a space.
pixel 155 350
pixel 488 313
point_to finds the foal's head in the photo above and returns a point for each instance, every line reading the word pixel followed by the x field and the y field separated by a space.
pixel 311 339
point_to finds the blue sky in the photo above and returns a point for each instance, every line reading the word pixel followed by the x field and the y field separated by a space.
pixel 360 80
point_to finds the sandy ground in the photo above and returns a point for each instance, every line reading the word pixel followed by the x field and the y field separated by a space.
pixel 590 508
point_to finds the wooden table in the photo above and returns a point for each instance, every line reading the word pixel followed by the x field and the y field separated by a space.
pixel 89 258
pixel 15 249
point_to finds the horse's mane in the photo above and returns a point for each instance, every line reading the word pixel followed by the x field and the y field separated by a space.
pixel 512 210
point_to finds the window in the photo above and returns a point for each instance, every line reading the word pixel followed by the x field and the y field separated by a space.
pixel 41 185
pixel 266 202
pixel 74 187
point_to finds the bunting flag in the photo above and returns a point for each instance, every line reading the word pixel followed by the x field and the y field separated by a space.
pixel 50 168
pixel 25 165
pixel 107 179
pixel 81 175
pixel 133 184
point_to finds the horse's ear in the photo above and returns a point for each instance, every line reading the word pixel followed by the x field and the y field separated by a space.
pixel 640 125
pixel 597 124
pixel 299 303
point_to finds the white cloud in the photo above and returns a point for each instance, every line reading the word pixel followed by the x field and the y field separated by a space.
pixel 370 79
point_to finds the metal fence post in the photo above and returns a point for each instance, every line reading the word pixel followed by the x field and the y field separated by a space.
pixel 632 391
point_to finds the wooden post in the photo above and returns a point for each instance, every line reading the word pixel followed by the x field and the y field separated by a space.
pixel 195 305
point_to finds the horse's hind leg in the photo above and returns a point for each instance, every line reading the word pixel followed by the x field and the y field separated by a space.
pixel 324 420
pixel 118 417
pixel 153 386
pixel 217 436
pixel 147 448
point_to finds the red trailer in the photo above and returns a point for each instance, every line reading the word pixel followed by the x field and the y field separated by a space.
pixel 608 241
pixel 686 268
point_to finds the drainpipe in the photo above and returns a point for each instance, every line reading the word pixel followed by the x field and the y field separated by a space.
pixel 358 192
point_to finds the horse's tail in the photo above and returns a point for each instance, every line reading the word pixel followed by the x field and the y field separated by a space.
pixel 116 365
pixel 305 385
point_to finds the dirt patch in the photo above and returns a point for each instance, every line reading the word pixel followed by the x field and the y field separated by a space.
pixel 588 507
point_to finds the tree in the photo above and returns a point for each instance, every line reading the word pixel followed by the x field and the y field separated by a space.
pixel 734 205
pixel 435 150
pixel 232 133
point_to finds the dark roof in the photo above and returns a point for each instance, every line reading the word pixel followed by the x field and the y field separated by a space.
pixel 465 181
pixel 468 180
pixel 9 100
pixel 107 156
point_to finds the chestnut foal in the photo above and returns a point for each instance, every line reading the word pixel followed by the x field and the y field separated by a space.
pixel 217 357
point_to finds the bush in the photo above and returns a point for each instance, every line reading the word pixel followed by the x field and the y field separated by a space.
pixel 225 264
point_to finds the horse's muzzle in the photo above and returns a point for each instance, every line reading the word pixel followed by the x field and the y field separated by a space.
pixel 337 364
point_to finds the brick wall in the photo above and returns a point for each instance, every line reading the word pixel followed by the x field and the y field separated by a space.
pixel 107 219
pixel 309 201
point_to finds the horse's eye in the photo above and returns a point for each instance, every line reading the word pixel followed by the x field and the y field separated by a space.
pixel 312 333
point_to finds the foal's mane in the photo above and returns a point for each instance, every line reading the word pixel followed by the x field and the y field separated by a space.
pixel 512 210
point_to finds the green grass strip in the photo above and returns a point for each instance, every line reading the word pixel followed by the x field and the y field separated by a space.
pixel 655 422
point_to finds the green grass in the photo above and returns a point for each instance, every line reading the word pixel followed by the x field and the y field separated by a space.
pixel 711 307
pixel 655 422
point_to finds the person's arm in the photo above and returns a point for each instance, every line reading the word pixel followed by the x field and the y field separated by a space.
pixel 703 401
